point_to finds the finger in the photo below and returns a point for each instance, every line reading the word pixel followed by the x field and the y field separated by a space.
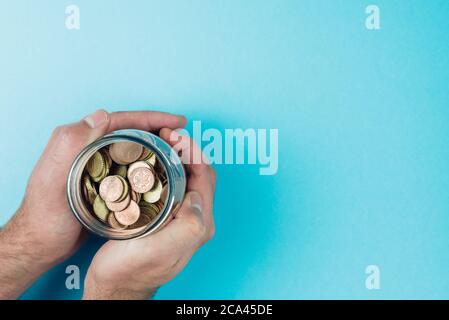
pixel 202 177
pixel 145 120
pixel 70 139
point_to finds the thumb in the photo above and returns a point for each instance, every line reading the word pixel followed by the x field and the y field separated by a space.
pixel 189 227
pixel 192 207
pixel 187 231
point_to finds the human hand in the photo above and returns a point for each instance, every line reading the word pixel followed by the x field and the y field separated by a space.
pixel 44 231
pixel 134 269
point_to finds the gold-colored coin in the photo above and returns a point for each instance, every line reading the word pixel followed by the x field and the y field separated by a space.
pixel 151 160
pixel 90 191
pixel 95 165
pixel 106 157
pixel 100 209
pixel 104 173
pixel 86 197
pixel 152 206
pixel 119 170
pixel 125 192
pixel 151 211
pixel 154 194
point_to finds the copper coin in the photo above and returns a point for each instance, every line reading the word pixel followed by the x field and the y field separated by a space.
pixel 128 216
pixel 125 152
pixel 135 196
pixel 164 192
pixel 145 153
pixel 160 204
pixel 138 164
pixel 111 188
pixel 114 223
pixel 119 206
pixel 141 179
pixel 143 221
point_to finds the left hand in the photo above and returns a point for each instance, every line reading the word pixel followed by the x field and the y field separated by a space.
pixel 44 231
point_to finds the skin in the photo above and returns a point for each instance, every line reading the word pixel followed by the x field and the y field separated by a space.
pixel 44 232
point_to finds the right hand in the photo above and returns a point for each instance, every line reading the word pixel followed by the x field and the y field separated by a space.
pixel 134 269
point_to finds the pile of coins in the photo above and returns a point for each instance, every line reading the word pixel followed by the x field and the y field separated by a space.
pixel 124 185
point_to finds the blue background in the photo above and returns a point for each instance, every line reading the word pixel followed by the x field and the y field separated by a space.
pixel 363 129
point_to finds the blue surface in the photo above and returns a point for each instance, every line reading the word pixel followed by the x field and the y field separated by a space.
pixel 362 118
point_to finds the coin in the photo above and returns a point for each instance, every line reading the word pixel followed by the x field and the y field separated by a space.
pixel 154 194
pixel 125 189
pixel 164 192
pixel 105 167
pixel 141 179
pixel 146 154
pixel 151 160
pixel 95 165
pixel 128 216
pixel 119 206
pixel 125 186
pixel 149 210
pixel 111 188
pixel 106 157
pixel 90 193
pixel 138 164
pixel 86 196
pixel 135 196
pixel 160 204
pixel 125 152
pixel 114 223
pixel 119 170
pixel 143 221
pixel 100 208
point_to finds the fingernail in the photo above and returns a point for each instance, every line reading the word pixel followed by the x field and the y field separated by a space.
pixel 196 203
pixel 96 119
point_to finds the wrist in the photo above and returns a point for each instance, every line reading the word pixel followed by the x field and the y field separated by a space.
pixel 96 289
pixel 20 260
pixel 40 239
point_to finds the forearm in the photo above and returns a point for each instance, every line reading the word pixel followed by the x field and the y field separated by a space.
pixel 20 264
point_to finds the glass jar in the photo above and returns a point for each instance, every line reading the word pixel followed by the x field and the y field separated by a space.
pixel 167 157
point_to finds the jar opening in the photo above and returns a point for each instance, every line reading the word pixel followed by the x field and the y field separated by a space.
pixel 126 185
